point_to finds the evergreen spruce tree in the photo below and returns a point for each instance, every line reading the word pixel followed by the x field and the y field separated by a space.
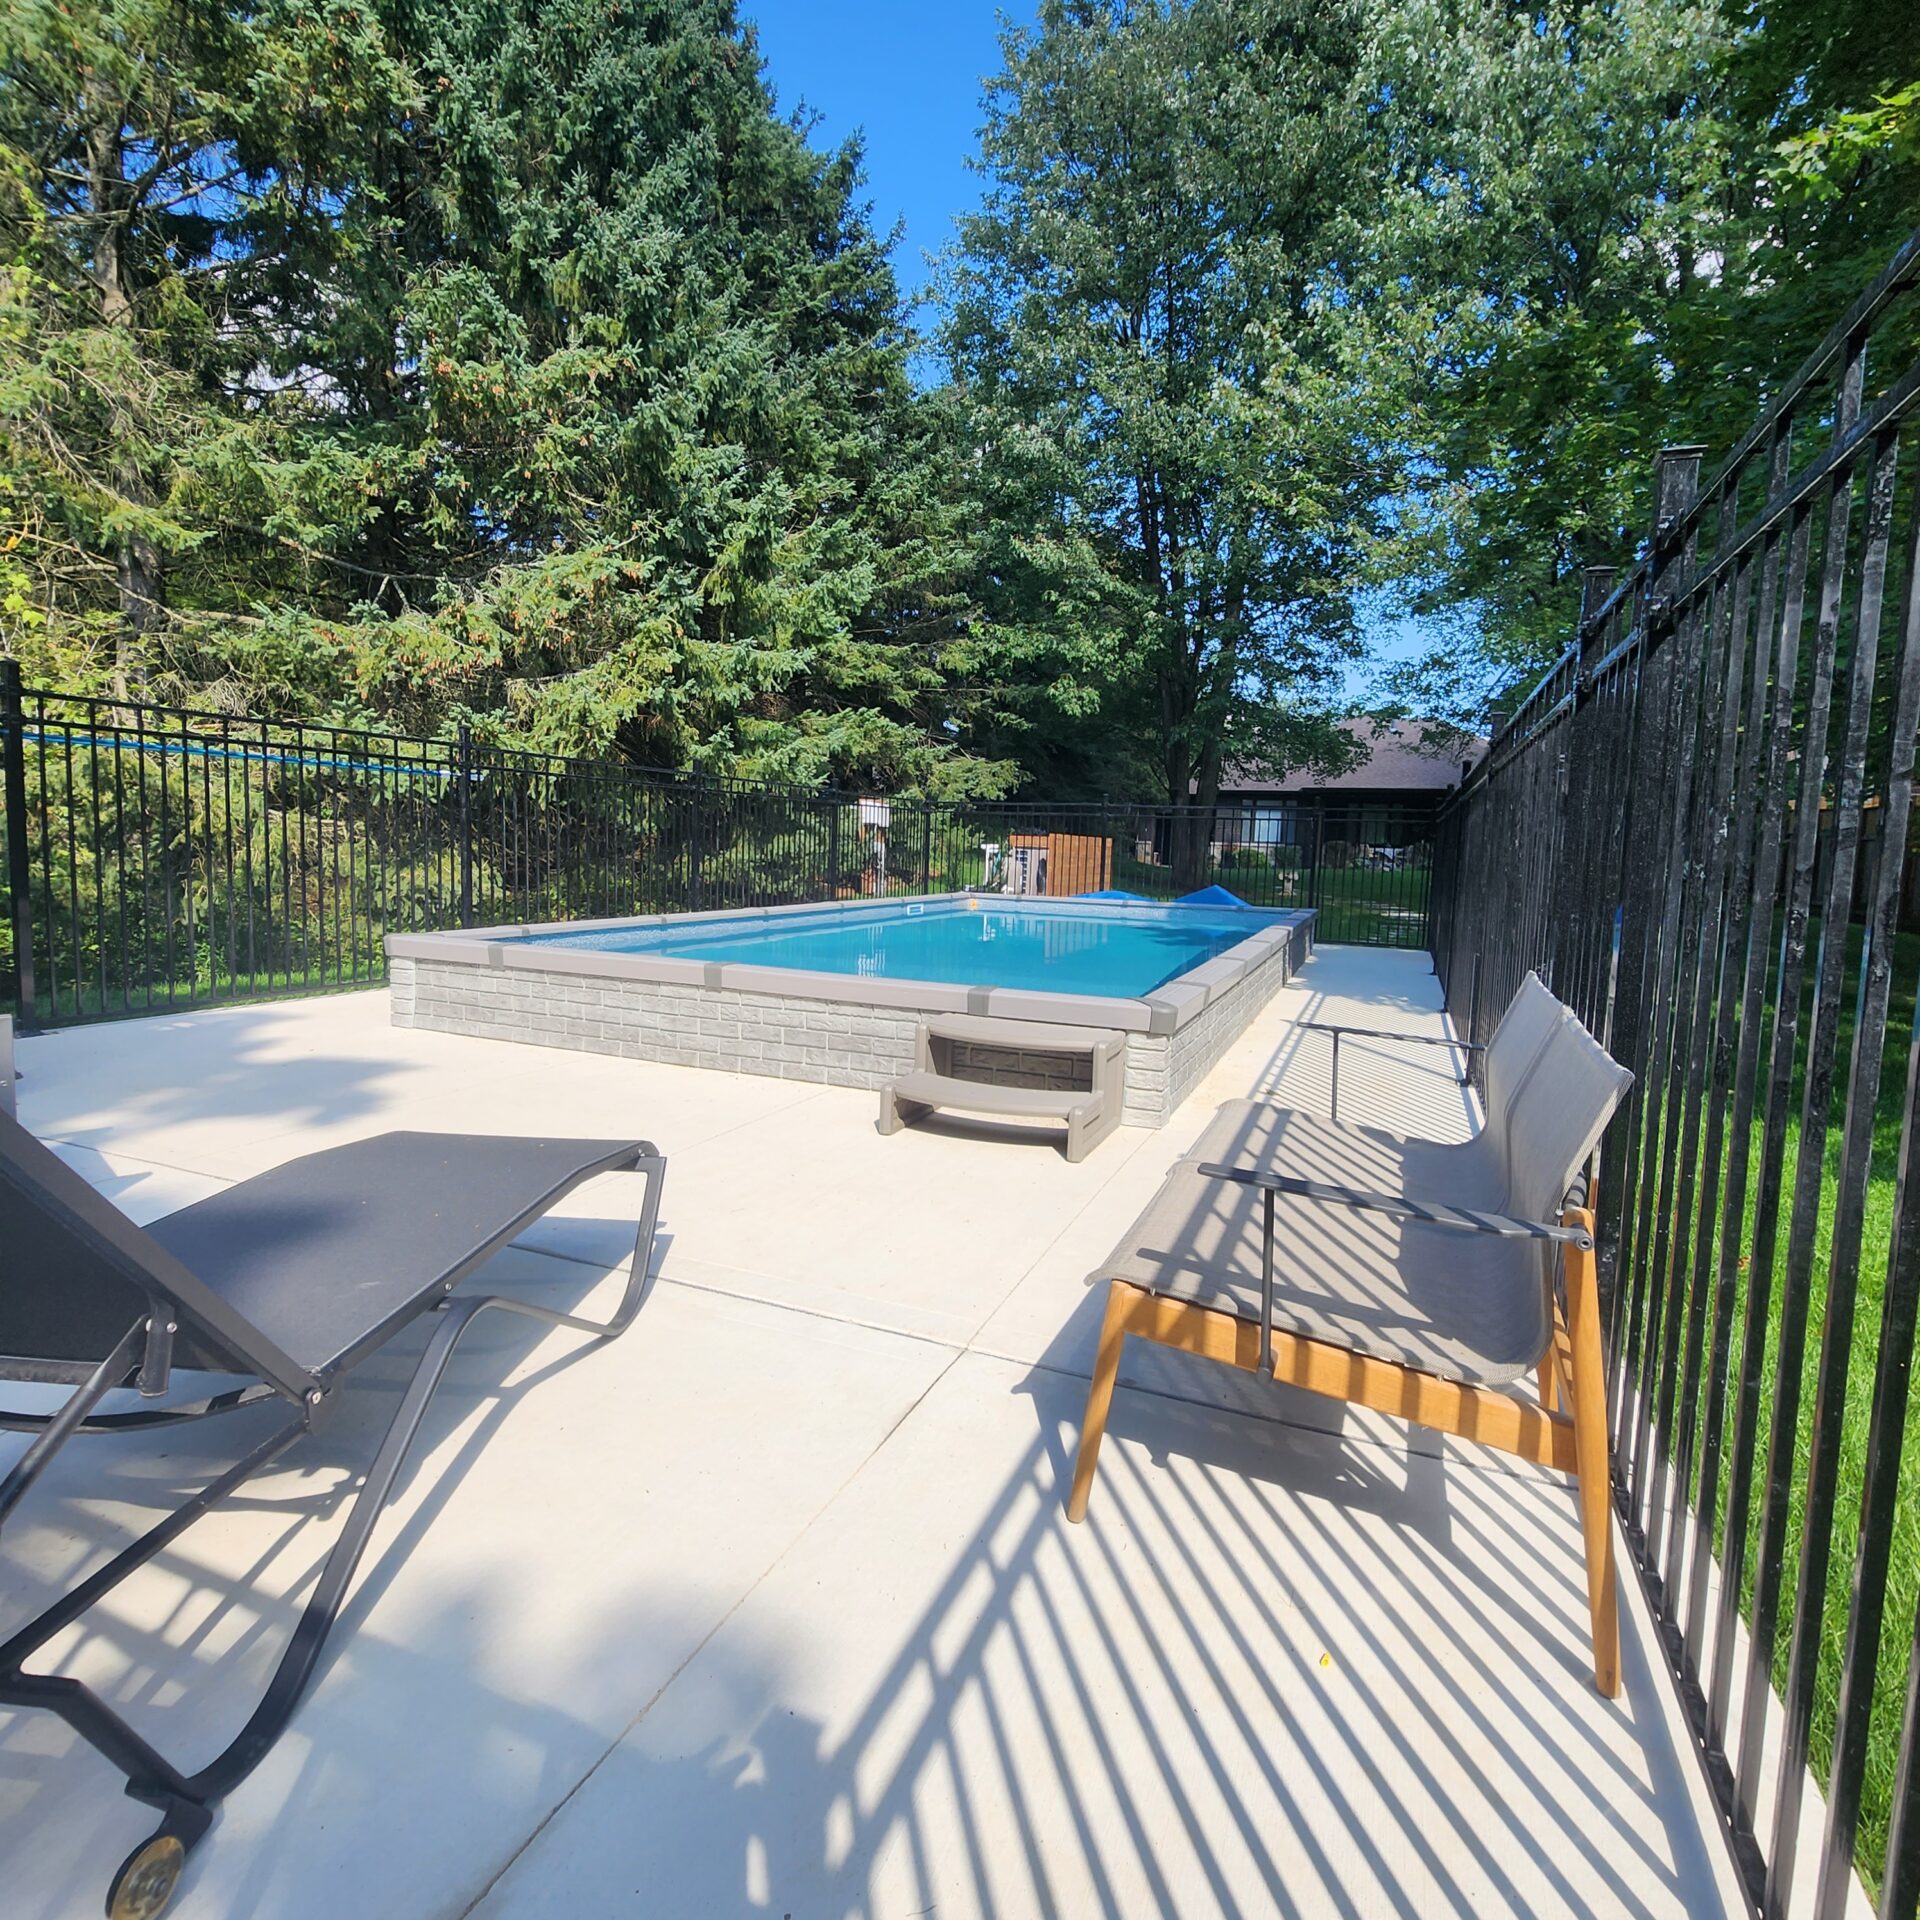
pixel 504 362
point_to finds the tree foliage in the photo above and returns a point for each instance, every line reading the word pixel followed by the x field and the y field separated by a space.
pixel 517 363
pixel 1607 228
pixel 1160 385
pixel 508 361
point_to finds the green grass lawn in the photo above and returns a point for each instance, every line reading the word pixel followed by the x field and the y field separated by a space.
pixel 1358 906
pixel 1868 1281
pixel 1372 907
pixel 208 987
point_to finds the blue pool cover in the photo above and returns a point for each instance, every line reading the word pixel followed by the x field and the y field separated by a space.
pixel 1123 951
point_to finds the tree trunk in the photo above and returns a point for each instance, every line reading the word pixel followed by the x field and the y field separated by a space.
pixel 1193 858
pixel 1178 761
pixel 1193 786
pixel 139 573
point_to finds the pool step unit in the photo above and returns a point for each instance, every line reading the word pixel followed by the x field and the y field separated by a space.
pixel 1014 1070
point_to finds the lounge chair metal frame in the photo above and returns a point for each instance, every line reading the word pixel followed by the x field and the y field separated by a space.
pixel 143 1358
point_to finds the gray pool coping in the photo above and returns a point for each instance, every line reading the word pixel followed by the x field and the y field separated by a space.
pixel 1165 1010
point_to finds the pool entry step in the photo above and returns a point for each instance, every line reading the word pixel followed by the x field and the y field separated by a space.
pixel 1014 1070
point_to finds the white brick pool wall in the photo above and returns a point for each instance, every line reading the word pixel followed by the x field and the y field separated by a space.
pixel 831 1041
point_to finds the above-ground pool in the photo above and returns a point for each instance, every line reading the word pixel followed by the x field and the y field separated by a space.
pixel 834 992
pixel 1043 947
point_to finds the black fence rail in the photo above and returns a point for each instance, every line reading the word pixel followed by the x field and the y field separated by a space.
pixel 160 858
pixel 1698 828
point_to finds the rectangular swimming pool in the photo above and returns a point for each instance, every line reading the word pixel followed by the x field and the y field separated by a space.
pixel 1123 951
pixel 835 991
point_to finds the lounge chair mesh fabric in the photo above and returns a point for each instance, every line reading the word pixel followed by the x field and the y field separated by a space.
pixel 1466 1306
pixel 328 1252
pixel 1530 1021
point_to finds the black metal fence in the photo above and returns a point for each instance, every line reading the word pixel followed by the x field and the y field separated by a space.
pixel 158 858
pixel 1697 827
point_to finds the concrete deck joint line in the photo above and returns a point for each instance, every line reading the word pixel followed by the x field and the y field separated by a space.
pixel 585 1779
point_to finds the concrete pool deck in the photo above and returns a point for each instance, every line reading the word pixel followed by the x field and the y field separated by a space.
pixel 770 1607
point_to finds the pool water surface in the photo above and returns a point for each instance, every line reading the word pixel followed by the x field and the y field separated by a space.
pixel 1120 950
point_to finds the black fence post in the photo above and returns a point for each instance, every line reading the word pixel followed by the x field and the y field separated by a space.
pixel 693 849
pixel 1596 588
pixel 1312 877
pixel 13 747
pixel 464 773
pixel 926 847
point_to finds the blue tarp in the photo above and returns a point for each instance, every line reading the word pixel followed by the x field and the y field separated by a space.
pixel 1110 893
pixel 1211 897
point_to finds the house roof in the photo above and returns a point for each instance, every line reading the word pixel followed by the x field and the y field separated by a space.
pixel 1398 761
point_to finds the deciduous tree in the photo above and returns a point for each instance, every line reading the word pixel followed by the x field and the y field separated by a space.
pixel 1169 418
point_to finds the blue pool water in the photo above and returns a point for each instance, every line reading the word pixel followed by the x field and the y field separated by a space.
pixel 1122 951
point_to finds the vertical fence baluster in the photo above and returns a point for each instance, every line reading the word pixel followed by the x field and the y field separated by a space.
pixel 463 795
pixel 13 795
pixel 1658 843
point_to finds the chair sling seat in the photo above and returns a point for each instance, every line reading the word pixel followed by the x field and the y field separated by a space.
pixel 1417 1279
pixel 1470 1173
pixel 1464 1306
pixel 1311 1147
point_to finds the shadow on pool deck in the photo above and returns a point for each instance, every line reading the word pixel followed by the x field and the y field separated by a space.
pixel 1271 1675
pixel 773 1608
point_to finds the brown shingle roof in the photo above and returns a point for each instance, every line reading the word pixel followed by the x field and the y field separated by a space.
pixel 1396 763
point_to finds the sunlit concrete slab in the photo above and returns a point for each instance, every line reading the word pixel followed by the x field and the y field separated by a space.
pixel 1274 1673
pixel 579 1520
pixel 770 1606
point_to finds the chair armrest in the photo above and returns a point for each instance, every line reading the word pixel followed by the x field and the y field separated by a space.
pixel 1401 1206
pixel 1340 1031
pixel 1376 1033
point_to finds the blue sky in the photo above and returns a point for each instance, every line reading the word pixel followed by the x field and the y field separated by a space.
pixel 909 76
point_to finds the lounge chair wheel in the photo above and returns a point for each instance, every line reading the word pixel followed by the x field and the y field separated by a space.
pixel 144 1886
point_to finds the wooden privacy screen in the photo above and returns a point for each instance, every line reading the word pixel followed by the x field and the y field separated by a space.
pixel 1076 862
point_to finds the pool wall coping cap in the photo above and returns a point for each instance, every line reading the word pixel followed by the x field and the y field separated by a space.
pixel 1163 1010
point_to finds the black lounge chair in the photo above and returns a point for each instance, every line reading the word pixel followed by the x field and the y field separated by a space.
pixel 282 1284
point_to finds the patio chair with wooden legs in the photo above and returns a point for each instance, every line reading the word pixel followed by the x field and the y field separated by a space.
pixel 279 1288
pixel 1408 1303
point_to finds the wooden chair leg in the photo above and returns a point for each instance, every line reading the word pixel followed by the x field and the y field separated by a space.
pixel 1106 1370
pixel 1589 1394
pixel 1555 1369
